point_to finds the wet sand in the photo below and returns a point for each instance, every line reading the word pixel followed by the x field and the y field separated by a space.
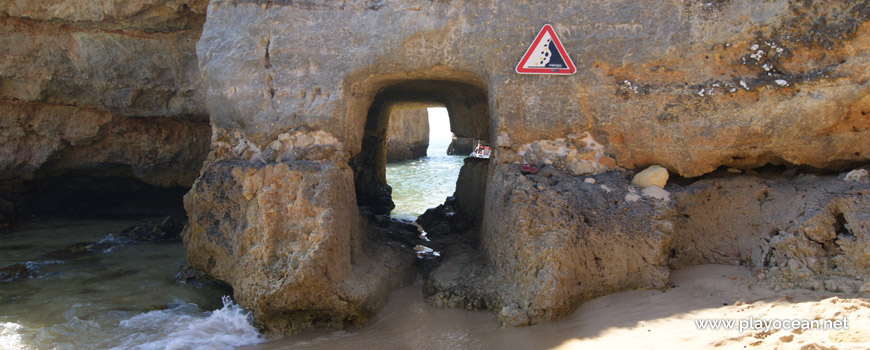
pixel 649 319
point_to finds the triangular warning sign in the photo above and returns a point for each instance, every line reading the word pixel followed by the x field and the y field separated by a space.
pixel 546 55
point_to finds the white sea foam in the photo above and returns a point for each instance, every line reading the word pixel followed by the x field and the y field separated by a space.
pixel 10 337
pixel 226 328
pixel 35 265
pixel 110 243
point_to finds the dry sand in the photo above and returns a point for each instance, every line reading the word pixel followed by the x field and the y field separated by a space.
pixel 650 319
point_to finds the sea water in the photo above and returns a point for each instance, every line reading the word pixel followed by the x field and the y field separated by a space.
pixel 117 295
pixel 423 183
pixel 123 295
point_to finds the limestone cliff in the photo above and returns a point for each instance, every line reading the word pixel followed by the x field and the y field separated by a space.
pixel 408 134
pixel 101 89
pixel 690 85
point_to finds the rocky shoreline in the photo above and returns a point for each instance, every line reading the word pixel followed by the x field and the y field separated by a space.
pixel 751 112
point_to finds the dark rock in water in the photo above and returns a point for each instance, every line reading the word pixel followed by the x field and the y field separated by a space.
pixel 444 220
pixel 15 272
pixel 71 252
pixel 167 228
pixel 394 229
pixel 148 230
pixel 78 250
pixel 378 199
pixel 189 275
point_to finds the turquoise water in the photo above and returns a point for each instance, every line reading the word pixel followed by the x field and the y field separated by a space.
pixel 423 183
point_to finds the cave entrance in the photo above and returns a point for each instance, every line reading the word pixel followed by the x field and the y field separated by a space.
pixel 467 110
pixel 423 179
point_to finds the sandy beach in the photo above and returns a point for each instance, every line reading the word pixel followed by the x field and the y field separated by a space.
pixel 646 319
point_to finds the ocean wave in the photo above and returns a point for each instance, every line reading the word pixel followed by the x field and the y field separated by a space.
pixel 110 243
pixel 226 328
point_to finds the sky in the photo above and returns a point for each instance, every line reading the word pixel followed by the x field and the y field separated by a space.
pixel 439 124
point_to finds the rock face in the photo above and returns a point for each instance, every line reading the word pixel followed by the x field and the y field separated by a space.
pixel 471 187
pixel 785 85
pixel 692 86
pixel 553 241
pixel 558 240
pixel 287 237
pixel 803 232
pixel 44 140
pixel 408 134
pixel 101 89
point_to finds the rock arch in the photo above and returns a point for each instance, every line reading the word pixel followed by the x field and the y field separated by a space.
pixel 274 211
pixel 467 106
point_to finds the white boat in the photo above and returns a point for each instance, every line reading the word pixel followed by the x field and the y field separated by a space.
pixel 480 151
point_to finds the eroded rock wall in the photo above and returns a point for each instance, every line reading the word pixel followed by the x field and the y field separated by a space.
pixel 690 85
pixel 408 134
pixel 553 240
pixel 99 89
pixel 281 226
pixel 288 238
pixel 471 187
pixel 752 83
pixel 806 231
pixel 45 140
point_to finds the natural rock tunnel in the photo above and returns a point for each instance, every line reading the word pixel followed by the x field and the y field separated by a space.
pixel 467 107
pixel 292 140
pixel 298 146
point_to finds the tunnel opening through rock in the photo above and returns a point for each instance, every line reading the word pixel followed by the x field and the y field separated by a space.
pixel 424 181
pixel 467 111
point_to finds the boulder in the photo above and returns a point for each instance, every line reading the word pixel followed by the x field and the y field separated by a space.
pixel 552 241
pixel 287 237
pixel 856 175
pixel 653 176
pixel 562 240
pixel 805 232
pixel 189 275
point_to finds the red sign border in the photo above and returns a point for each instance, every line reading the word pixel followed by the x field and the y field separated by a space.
pixel 559 71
